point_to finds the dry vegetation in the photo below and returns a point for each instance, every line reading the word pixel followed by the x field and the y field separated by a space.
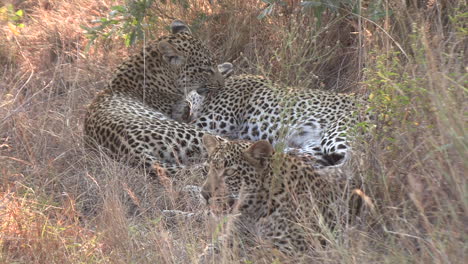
pixel 61 204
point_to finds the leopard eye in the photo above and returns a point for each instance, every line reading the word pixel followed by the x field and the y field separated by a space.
pixel 229 171
pixel 209 70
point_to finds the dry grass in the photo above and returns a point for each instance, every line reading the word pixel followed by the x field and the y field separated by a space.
pixel 61 204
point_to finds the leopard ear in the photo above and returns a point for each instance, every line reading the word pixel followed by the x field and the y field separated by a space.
pixel 170 53
pixel 258 152
pixel 210 142
pixel 178 26
pixel 226 69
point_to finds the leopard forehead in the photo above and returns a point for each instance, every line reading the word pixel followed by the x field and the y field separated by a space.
pixel 227 154
pixel 188 44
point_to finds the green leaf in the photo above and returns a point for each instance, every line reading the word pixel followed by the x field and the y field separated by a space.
pixel 19 13
pixel 119 8
pixel 127 40
pixel 85 27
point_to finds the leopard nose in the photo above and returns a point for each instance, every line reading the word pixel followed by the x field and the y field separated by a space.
pixel 206 195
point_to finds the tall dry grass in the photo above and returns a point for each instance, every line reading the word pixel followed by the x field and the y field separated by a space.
pixel 60 203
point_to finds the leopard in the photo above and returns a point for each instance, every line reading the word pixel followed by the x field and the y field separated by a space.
pixel 134 119
pixel 274 196
pixel 313 121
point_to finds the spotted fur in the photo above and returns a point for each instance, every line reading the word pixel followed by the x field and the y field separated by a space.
pixel 311 122
pixel 276 197
pixel 188 108
pixel 131 118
